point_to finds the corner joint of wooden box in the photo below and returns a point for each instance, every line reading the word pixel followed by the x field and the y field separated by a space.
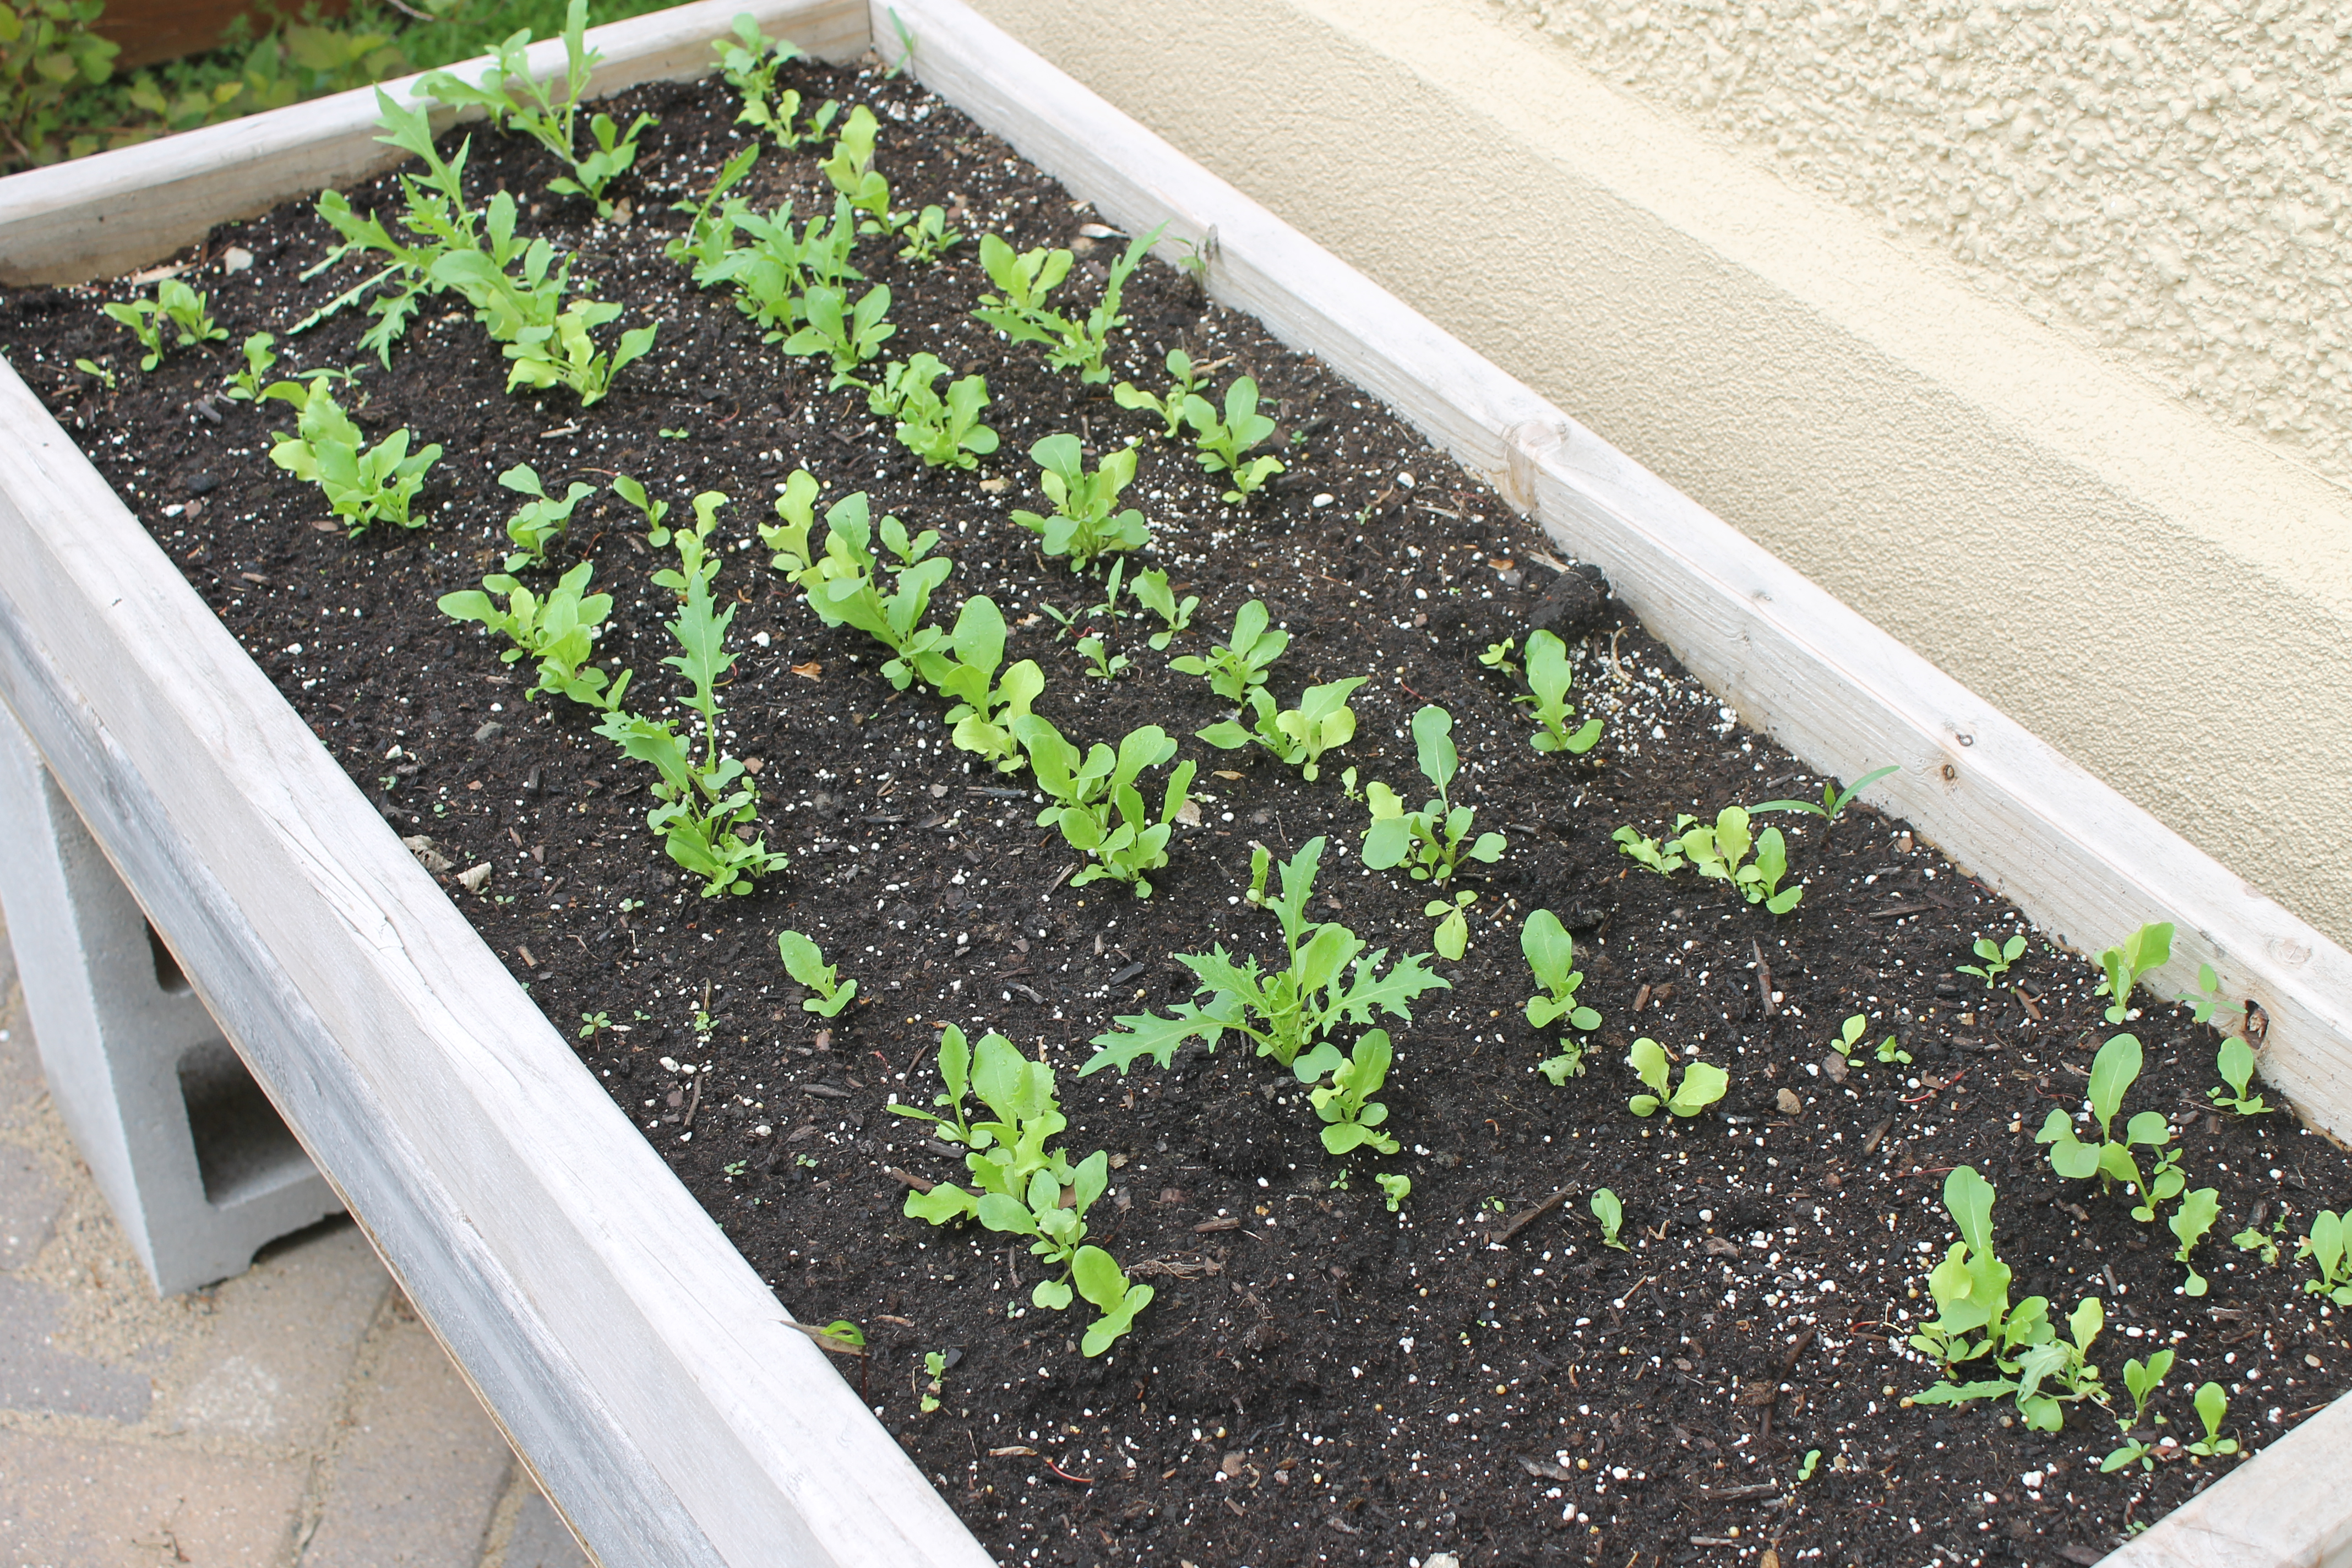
pixel 1525 446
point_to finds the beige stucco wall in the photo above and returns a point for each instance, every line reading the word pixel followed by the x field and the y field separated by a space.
pixel 2083 525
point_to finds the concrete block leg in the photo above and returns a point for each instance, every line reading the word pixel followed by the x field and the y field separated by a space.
pixel 200 1169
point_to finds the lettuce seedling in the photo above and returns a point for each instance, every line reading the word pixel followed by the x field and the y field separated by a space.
pixel 652 510
pixel 559 630
pixel 1326 980
pixel 927 237
pixel 1222 442
pixel 806 965
pixel 1086 522
pixel 2140 1380
pixel 1548 676
pixel 1718 850
pixel 2198 1209
pixel 542 521
pixel 2236 1065
pixel 748 62
pixel 2325 1246
pixel 550 342
pixel 851 335
pixel 2207 1003
pixel 1151 591
pixel 1551 956
pixel 1662 858
pixel 1430 838
pixel 788 536
pixel 246 385
pixel 1297 736
pixel 1498 657
pixel 935 1368
pixel 1701 1087
pixel 1451 938
pixel 1395 1186
pixel 840 584
pixel 2254 1239
pixel 363 485
pixel 1183 384
pixel 1105 1284
pixel 962 667
pixel 1833 801
pixel 2147 948
pixel 175 305
pixel 1239 664
pixel 1612 1216
pixel 1996 955
pixel 2113 1072
pixel 1097 805
pixel 938 430
pixel 2213 1404
pixel 1974 1318
pixel 1351 1118
pixel 1101 664
pixel 515 99
pixel 1849 1035
pixel 774 271
pixel 1019 308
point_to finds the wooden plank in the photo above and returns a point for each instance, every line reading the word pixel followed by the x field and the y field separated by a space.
pixel 2283 1508
pixel 112 212
pixel 2086 865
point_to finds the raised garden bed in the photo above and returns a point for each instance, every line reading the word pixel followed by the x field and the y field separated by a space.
pixel 1291 1394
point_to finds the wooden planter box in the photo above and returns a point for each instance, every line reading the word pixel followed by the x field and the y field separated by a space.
pixel 640 1367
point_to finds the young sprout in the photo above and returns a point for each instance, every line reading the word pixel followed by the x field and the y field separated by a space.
pixel 1183 381
pixel 2113 1072
pixel 1850 1035
pixel 175 305
pixel 363 485
pixel 1428 842
pixel 2147 948
pixel 935 1368
pixel 2198 1209
pixel 2235 1062
pixel 1647 851
pixel 247 385
pixel 1087 520
pixel 1151 591
pixel 1701 1087
pixel 1223 441
pixel 1452 938
pixel 1101 667
pixel 1322 722
pixel 1498 657
pixel 1718 850
pixel 2253 1240
pixel 1834 799
pixel 806 965
pixel 1551 955
pixel 2207 1003
pixel 1549 677
pixel 1996 955
pixel 593 1024
pixel 653 511
pixel 2213 1404
pixel 1236 666
pixel 2140 1380
pixel 542 520
pixel 1395 1186
pixel 1352 1118
pixel 1611 1215
pixel 2325 1246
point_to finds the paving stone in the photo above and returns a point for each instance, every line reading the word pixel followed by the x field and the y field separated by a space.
pixel 28 1207
pixel 37 1376
pixel 420 1468
pixel 80 1503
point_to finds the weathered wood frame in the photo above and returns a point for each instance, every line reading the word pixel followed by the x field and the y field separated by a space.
pixel 638 1363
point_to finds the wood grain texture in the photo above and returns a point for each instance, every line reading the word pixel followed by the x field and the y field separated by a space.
pixel 2285 1509
pixel 112 212
pixel 2086 865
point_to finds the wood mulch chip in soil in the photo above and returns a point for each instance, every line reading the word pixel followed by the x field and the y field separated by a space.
pixel 1318 1379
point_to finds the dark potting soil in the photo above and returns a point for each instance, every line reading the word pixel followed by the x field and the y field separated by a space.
pixel 1318 1379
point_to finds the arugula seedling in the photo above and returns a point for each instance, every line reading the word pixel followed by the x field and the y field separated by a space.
pixel 1326 980
pixel 1183 384
pixel 1151 591
pixel 2148 948
pixel 1104 668
pixel 1453 936
pixel 1222 441
pixel 748 62
pixel 2213 1404
pixel 1088 790
pixel 1086 522
pixel 774 271
pixel 1351 1118
pixel 840 584
pixel 851 335
pixel 653 511
pixel 2198 1209
pixel 927 237
pixel 2140 1380
pixel 106 377
pixel 1701 1087
pixel 1834 799
pixel 2235 1063
pixel 1666 860
pixel 246 385
pixel 559 630
pixel 1002 1060
pixel 1970 1288
pixel 805 964
pixel 850 168
pixel 1551 956
pixel 983 715
pixel 514 98
pixel 938 430
pixel 1612 1216
pixel 542 520
pixel 935 1367
pixel 2253 1240
pixel 2325 1246
pixel 1239 664
pixel 1299 736
pixel 175 305
pixel 2207 1003
pixel 1498 655
pixel 1431 838
pixel 1019 308
pixel 1107 1288
pixel 1718 850
pixel 550 342
pixel 1996 955
pixel 1548 676
pixel 2113 1071
pixel 363 485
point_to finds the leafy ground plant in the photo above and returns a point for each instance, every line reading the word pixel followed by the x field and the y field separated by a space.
pixel 1297 736
pixel 1549 677
pixel 1097 805
pixel 841 586
pixel 2148 948
pixel 1551 955
pixel 1997 956
pixel 1151 591
pixel 1221 441
pixel 1833 801
pixel 1612 1216
pixel 1701 1087
pixel 1087 521
pixel 2209 1003
pixel 247 385
pixel 829 992
pixel 1451 938
pixel 175 306
pixel 542 520
pixel 2113 1072
pixel 363 485
pixel 1351 1117
pixel 1239 664
pixel 516 100
pixel 1327 980
pixel 1183 381
pixel 962 669
pixel 1665 858
pixel 942 431
pixel 1427 842
pixel 1020 309
pixel 2235 1062
pixel 2324 1245
pixel 851 335
pixel 2140 1380
pixel 559 630
pixel 1719 850
pixel 2199 1208
pixel 1850 1035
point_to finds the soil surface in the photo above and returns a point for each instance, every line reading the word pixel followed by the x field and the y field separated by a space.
pixel 1319 1379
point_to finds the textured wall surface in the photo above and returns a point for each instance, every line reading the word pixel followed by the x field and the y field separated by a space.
pixel 2166 177
pixel 2160 594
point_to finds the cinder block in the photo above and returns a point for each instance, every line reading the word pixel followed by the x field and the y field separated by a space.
pixel 197 1164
